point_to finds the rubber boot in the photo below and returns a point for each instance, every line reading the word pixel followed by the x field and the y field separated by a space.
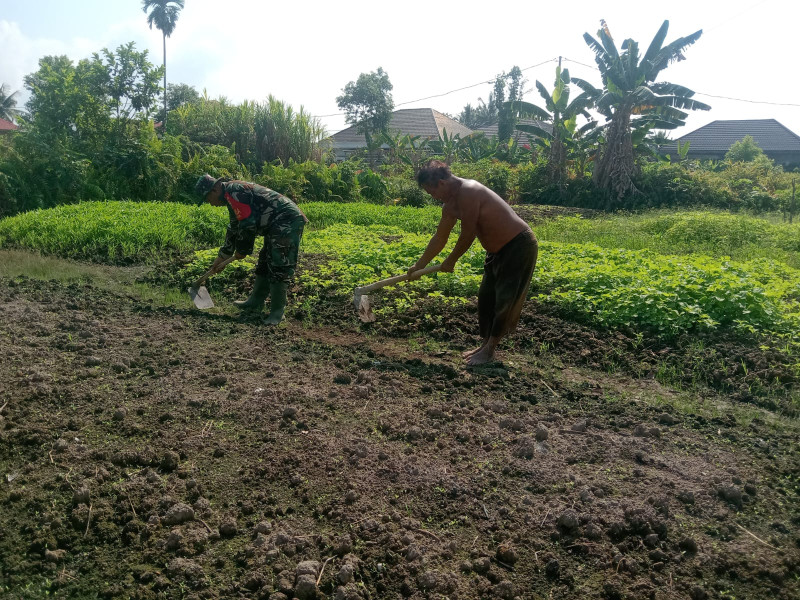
pixel 256 300
pixel 277 302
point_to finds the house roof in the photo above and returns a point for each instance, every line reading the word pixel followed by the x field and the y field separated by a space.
pixel 521 137
pixel 424 122
pixel 719 136
pixel 7 125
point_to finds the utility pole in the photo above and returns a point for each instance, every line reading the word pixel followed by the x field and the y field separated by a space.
pixel 793 205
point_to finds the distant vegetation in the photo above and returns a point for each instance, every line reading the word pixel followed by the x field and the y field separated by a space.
pixel 93 131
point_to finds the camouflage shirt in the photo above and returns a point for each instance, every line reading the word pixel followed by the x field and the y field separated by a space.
pixel 254 210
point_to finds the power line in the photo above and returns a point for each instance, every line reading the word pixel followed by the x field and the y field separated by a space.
pixel 750 101
pixel 448 93
pixel 579 63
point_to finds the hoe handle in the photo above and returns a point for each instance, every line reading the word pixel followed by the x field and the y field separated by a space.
pixel 396 279
pixel 210 272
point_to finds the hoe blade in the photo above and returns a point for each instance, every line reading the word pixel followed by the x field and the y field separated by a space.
pixel 364 311
pixel 201 297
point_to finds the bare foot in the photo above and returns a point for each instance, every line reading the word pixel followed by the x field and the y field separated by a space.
pixel 469 353
pixel 483 356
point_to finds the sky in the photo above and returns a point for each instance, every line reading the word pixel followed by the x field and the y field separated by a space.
pixel 745 65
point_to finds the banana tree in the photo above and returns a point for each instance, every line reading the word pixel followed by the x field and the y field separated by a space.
pixel 476 147
pixel 447 147
pixel 631 100
pixel 400 148
pixel 563 114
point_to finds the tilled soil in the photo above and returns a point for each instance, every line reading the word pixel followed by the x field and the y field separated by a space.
pixel 154 452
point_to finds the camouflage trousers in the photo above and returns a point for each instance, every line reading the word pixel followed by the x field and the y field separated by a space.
pixel 278 258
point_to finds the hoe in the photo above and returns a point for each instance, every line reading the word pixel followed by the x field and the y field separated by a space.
pixel 361 299
pixel 198 291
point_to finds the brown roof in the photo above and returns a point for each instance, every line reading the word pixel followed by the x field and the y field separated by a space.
pixel 7 125
pixel 427 123
pixel 520 137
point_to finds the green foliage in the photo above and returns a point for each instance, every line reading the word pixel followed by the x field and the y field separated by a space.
pixel 372 187
pixel 717 234
pixel 163 14
pixel 128 82
pixel 405 192
pixel 670 184
pixel 745 150
pixel 367 102
pixel 116 232
pixel 670 295
pixel 633 102
pixel 621 285
pixel 494 174
pixel 146 231
pixel 257 132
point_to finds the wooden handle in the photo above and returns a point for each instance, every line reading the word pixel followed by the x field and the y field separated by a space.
pixel 210 272
pixel 396 279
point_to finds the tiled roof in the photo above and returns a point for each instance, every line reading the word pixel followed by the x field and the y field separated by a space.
pixel 7 125
pixel 719 136
pixel 424 122
pixel 521 137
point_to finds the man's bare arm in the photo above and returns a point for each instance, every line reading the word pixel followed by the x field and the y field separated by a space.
pixel 469 231
pixel 437 243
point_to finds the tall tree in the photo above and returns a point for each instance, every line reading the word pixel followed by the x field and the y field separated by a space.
pixel 367 102
pixel 164 15
pixel 178 95
pixel 631 99
pixel 8 104
pixel 508 85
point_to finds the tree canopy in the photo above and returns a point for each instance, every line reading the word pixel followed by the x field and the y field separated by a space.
pixel 367 102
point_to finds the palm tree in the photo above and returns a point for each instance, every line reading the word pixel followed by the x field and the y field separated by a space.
pixel 632 100
pixel 8 104
pixel 164 15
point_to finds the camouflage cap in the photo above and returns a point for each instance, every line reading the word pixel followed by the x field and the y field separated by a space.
pixel 204 184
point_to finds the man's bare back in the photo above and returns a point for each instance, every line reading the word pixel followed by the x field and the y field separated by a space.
pixel 495 221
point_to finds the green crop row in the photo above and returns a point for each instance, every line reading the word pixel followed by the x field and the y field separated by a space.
pixel 667 292
pixel 115 232
pixel 126 232
pixel 616 288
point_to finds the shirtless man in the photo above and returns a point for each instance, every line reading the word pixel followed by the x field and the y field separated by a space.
pixel 511 251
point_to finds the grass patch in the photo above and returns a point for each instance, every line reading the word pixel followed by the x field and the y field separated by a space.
pixel 740 237
pixel 16 263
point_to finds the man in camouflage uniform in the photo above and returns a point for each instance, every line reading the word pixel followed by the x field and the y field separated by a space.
pixel 255 210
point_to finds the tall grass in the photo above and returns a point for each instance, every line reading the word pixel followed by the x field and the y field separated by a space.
pixel 259 132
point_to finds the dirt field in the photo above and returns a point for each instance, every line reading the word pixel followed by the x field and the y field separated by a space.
pixel 148 451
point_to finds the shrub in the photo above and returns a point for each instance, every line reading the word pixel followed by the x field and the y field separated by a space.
pixel 372 187
pixel 406 192
pixel 495 175
pixel 672 185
